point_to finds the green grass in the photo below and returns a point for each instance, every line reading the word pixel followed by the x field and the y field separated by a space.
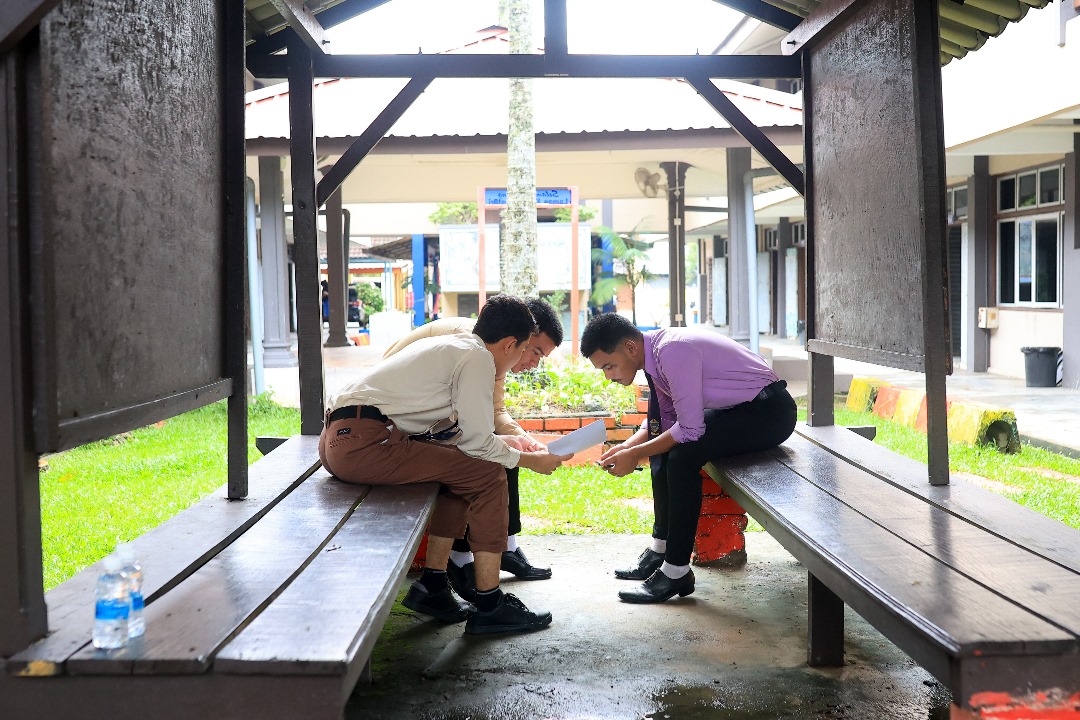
pixel 1039 479
pixel 116 489
pixel 585 499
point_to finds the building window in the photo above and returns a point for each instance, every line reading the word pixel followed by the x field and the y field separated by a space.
pixel 956 204
pixel 798 234
pixel 1034 188
pixel 1029 260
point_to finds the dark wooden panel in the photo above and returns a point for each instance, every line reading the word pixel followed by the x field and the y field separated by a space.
pixel 824 625
pixel 1013 572
pixel 133 195
pixel 1026 528
pixel 189 623
pixel 872 199
pixel 328 619
pixel 170 552
pixel 929 610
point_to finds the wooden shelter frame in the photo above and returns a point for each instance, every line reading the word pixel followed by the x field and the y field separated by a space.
pixel 29 421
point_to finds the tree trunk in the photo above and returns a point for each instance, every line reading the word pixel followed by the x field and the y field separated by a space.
pixel 517 257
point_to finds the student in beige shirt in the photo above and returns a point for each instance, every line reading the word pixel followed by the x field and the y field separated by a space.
pixel 425 415
pixel 461 570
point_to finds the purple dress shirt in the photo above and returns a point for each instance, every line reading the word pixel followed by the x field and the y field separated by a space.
pixel 695 369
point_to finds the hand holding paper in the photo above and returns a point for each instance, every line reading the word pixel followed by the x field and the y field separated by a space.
pixel 581 439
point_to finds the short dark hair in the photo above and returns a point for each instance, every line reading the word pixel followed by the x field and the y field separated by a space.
pixel 605 332
pixel 504 316
pixel 546 319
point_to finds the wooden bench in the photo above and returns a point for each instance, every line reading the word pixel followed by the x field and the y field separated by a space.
pixel 261 608
pixel 981 592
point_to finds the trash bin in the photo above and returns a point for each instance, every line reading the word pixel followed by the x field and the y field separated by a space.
pixel 1040 366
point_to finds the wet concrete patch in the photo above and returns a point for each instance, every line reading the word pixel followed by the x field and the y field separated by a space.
pixel 733 649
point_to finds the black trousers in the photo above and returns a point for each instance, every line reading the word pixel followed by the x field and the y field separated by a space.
pixel 676 478
pixel 515 512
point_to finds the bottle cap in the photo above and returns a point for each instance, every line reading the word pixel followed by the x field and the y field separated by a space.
pixel 126 553
pixel 111 563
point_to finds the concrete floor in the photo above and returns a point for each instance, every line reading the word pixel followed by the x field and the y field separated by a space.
pixel 733 649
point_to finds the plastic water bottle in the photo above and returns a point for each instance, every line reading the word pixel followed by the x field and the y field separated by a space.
pixel 132 570
pixel 112 607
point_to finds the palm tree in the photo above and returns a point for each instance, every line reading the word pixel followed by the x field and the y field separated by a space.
pixel 517 257
pixel 631 254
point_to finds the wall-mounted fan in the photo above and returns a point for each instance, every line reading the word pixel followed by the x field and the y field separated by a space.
pixel 648 182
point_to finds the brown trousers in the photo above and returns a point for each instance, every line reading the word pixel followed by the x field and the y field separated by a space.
pixel 370 452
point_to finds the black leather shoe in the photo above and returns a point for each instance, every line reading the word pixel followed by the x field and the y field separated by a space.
pixel 515 562
pixel 463 580
pixel 647 563
pixel 658 588
pixel 442 605
pixel 510 615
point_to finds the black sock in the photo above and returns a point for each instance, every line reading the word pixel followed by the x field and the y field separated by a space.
pixel 487 600
pixel 433 580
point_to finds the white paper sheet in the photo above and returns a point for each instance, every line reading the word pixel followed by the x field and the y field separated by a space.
pixel 581 439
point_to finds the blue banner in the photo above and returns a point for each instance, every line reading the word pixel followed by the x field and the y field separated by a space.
pixel 544 196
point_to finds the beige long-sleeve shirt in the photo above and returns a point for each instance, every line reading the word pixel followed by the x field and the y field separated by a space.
pixel 504 424
pixel 435 378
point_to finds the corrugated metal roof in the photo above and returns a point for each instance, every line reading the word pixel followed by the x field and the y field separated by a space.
pixel 965 26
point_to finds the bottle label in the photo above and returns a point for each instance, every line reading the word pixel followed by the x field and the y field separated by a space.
pixel 111 610
pixel 137 602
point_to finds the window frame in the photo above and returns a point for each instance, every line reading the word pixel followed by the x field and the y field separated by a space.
pixel 1033 218
pixel 1015 178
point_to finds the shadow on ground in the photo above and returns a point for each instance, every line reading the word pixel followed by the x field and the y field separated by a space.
pixel 734 649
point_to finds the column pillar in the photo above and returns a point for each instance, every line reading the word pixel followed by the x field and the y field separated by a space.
pixel 1070 267
pixel 277 343
pixel 739 290
pixel 337 274
pixel 980 243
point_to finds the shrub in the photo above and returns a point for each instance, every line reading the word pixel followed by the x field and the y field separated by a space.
pixel 569 387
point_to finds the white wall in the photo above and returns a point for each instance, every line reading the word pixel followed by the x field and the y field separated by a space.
pixel 1019 328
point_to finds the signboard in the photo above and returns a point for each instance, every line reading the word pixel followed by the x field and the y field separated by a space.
pixel 459 269
pixel 544 196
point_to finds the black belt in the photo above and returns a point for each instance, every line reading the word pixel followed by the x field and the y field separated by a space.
pixel 771 390
pixel 365 412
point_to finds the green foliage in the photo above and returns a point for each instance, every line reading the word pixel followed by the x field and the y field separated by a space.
pixel 371 298
pixel 632 254
pixel 565 214
pixel 1044 481
pixel 116 489
pixel 557 300
pixel 454 213
pixel 573 387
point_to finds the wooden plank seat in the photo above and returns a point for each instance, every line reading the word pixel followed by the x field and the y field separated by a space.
pixel 981 592
pixel 262 608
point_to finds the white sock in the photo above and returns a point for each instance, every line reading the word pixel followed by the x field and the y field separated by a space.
pixel 511 543
pixel 461 559
pixel 674 571
pixel 659 546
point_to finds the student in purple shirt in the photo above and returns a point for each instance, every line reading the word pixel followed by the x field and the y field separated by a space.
pixel 710 397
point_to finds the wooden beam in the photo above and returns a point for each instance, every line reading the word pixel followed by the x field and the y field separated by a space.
pixel 368 139
pixel 234 179
pixel 18 17
pixel 536 66
pixel 305 233
pixel 751 132
pixel 824 15
pixel 22 599
pixel 303 22
pixel 766 13
pixel 555 28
